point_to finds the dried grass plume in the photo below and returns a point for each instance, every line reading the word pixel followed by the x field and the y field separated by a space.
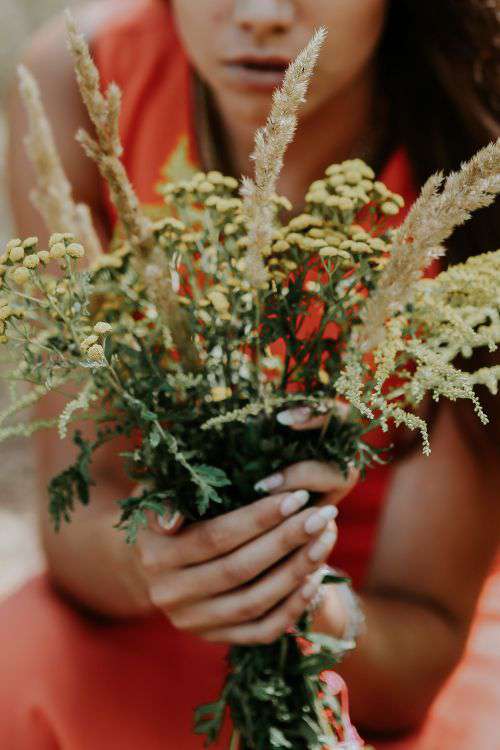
pixel 106 148
pixel 271 143
pixel 53 194
pixel 419 240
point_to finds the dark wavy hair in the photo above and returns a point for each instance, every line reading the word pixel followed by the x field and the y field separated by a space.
pixel 440 71
pixel 440 68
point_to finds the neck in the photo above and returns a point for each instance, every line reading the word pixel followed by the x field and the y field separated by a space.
pixel 337 131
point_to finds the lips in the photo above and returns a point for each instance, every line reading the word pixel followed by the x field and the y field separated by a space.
pixel 256 72
pixel 260 64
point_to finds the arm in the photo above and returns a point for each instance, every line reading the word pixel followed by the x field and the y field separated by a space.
pixel 437 539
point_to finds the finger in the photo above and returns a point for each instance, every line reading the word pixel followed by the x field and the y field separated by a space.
pixel 206 540
pixel 316 476
pixel 315 423
pixel 245 564
pixel 269 628
pixel 257 599
pixel 303 417
pixel 165 524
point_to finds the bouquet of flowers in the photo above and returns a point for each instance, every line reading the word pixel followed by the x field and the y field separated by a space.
pixel 193 329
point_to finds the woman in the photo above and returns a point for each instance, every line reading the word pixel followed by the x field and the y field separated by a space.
pixel 136 627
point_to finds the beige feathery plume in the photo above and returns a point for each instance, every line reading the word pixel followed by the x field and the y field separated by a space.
pixel 53 195
pixel 271 142
pixel 419 240
pixel 106 149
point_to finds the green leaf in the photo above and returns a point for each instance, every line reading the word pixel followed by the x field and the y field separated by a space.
pixel 212 475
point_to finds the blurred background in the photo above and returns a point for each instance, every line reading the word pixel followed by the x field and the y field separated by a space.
pixel 19 550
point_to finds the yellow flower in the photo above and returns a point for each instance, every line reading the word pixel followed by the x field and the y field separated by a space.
pixel 389 208
pixel 303 222
pixel 230 183
pixel 345 204
pixel 336 180
pixel 317 196
pixel 333 169
pixel 205 187
pixel 58 250
pixel 282 202
pixel 280 246
pixel 56 238
pixel 360 247
pixel 218 300
pixel 230 229
pixel 16 253
pixel 95 353
pixel 31 261
pixel 30 242
pixel 353 177
pixel 381 189
pixel 317 234
pixel 21 275
pixel 398 200
pixel 102 328
pixel 75 250
pixel 220 393
pixel 216 177
pixel 88 342
pixel 6 312
pixel 43 256
pixel 377 244
pixel 331 252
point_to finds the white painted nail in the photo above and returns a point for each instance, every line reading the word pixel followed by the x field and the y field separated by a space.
pixel 270 483
pixel 322 547
pixel 310 589
pixel 168 520
pixel 293 502
pixel 320 519
pixel 294 416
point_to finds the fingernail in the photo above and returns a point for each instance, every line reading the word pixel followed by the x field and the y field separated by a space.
pixel 168 520
pixel 322 547
pixel 320 519
pixel 293 502
pixel 270 483
pixel 294 416
pixel 310 589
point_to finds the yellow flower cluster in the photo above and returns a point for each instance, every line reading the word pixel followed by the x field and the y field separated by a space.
pixel 202 187
pixel 91 346
pixel 23 257
pixel 347 188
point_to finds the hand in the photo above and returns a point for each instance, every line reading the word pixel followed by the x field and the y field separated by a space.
pixel 314 476
pixel 241 578
pixel 319 477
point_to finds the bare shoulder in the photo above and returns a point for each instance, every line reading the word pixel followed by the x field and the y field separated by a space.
pixel 46 55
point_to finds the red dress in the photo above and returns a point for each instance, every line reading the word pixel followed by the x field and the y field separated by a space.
pixel 71 681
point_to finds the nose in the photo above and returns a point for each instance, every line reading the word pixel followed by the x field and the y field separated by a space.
pixel 264 18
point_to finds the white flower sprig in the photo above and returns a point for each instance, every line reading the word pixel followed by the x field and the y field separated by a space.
pixel 419 240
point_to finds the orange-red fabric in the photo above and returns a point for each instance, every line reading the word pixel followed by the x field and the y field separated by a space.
pixel 73 682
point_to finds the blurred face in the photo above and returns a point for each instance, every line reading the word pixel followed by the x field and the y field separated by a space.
pixel 241 47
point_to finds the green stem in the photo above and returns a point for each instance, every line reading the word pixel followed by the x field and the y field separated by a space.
pixel 235 740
